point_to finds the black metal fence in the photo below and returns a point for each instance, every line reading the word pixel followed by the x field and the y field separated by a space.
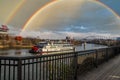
pixel 64 66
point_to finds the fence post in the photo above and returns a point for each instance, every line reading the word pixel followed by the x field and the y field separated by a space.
pixel 19 74
pixel 106 54
pixel 96 59
pixel 76 65
pixel 118 49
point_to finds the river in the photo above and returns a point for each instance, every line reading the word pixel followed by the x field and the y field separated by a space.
pixel 24 52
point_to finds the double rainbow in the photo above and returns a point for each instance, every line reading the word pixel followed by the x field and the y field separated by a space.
pixel 42 8
pixel 13 13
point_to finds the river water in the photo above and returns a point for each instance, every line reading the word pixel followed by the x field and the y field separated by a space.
pixel 24 52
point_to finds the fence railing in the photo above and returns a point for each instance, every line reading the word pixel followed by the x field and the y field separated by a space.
pixel 64 66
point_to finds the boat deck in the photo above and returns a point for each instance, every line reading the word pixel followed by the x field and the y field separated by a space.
pixel 107 71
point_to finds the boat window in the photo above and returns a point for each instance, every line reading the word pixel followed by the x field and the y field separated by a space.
pixel 41 45
pixel 67 45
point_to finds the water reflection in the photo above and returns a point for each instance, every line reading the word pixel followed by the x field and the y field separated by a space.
pixel 89 47
pixel 15 52
pixel 24 52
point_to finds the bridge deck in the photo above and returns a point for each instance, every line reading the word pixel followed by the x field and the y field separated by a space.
pixel 107 71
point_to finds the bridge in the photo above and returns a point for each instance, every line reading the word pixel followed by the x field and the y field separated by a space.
pixel 102 40
pixel 98 64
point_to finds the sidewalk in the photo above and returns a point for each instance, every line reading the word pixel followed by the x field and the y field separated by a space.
pixel 107 71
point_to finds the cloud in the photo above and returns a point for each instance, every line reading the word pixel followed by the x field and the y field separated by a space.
pixel 82 27
pixel 73 18
pixel 62 35
pixel 76 16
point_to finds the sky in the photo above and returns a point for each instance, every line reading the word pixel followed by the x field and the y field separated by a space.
pixel 16 12
pixel 60 18
pixel 113 4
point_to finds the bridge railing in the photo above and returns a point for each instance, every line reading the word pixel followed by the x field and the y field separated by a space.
pixel 63 66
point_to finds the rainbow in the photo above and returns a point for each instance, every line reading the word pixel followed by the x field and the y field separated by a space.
pixel 13 13
pixel 54 2
pixel 108 8
pixel 39 10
